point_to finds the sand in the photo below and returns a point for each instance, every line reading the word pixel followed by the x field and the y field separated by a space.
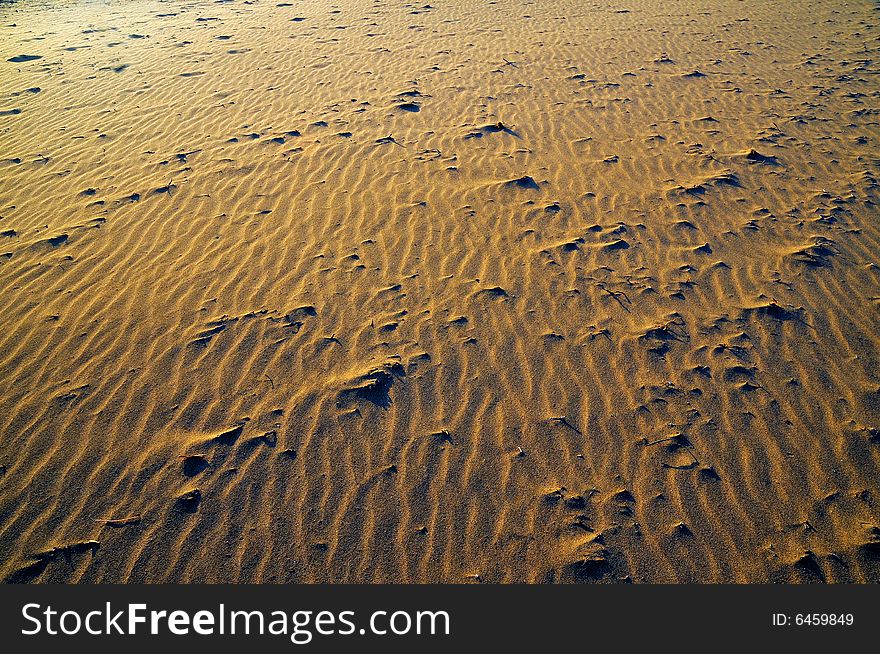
pixel 445 291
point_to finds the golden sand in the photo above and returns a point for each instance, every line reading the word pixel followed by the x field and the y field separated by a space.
pixel 439 291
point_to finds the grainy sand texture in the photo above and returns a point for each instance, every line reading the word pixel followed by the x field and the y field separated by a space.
pixel 439 291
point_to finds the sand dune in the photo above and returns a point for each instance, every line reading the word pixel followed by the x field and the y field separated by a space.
pixel 447 291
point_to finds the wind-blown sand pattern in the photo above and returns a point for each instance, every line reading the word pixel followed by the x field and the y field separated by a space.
pixel 439 291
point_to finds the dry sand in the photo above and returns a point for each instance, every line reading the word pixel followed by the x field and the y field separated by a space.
pixel 439 291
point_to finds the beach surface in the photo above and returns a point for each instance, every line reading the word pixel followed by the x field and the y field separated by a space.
pixel 440 291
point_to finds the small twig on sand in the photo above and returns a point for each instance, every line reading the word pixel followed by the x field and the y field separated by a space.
pixel 390 139
pixel 674 437
pixel 562 420
pixel 616 295
pixel 121 522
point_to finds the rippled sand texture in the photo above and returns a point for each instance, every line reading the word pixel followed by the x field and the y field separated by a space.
pixel 439 292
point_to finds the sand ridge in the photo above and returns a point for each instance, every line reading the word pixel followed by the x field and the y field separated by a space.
pixel 382 291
